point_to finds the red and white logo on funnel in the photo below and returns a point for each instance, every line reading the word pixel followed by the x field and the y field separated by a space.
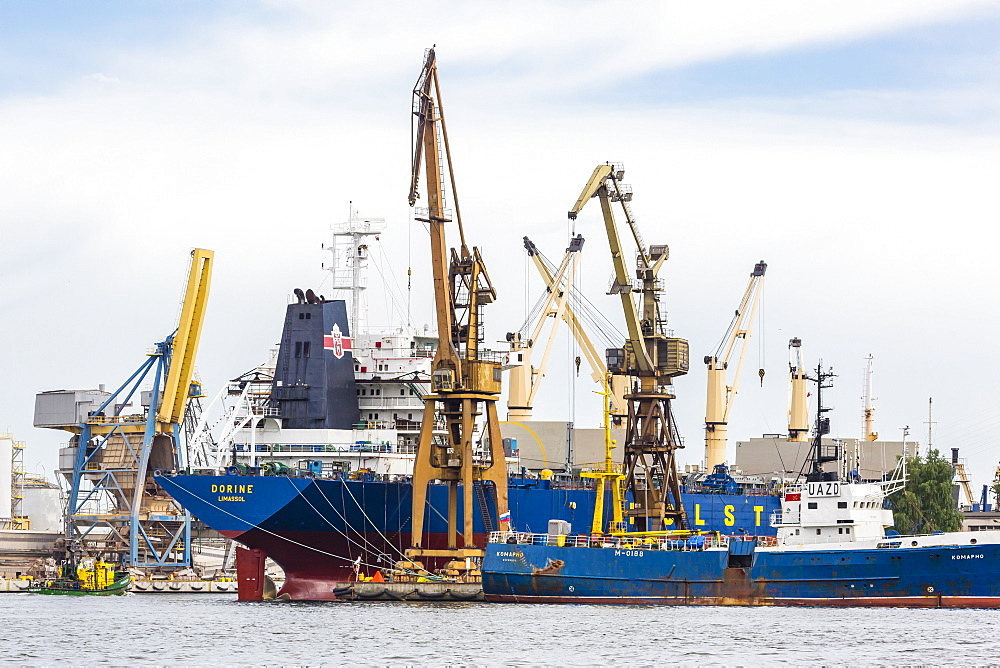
pixel 336 342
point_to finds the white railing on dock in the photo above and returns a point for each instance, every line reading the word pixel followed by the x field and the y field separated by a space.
pixel 695 543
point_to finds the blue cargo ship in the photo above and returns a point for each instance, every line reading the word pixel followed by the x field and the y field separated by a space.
pixel 325 530
pixel 316 471
pixel 831 548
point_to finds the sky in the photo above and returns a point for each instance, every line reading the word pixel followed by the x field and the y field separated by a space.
pixel 851 145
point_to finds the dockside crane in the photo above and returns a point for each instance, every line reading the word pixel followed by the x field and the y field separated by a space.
pixel 465 380
pixel 525 378
pixel 720 392
pixel 651 357
pixel 115 504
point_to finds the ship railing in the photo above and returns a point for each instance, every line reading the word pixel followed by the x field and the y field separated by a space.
pixel 781 519
pixel 695 543
pixel 134 418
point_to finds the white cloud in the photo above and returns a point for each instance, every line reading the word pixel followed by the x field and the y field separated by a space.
pixel 250 139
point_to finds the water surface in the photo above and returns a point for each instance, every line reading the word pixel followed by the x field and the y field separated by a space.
pixel 205 629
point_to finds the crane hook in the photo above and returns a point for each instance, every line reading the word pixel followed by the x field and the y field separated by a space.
pixel 760 372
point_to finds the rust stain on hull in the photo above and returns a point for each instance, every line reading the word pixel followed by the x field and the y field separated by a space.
pixel 553 567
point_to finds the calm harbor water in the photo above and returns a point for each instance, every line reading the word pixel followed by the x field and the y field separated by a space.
pixel 196 629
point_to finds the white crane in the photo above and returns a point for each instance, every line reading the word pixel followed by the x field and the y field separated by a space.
pixel 525 379
pixel 720 392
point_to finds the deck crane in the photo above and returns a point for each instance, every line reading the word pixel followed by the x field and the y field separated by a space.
pixel 798 408
pixel 651 357
pixel 868 412
pixel 115 504
pixel 525 379
pixel 720 393
pixel 465 381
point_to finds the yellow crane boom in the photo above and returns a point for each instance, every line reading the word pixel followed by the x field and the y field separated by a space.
pixel 185 341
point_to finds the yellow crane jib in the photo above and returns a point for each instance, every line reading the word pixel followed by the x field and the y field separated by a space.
pixel 184 346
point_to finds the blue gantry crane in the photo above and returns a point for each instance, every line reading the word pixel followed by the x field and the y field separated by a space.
pixel 115 505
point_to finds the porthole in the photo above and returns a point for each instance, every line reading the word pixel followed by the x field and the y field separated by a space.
pixel 913 543
pixel 972 542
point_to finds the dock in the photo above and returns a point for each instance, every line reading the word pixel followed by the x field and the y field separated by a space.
pixel 147 586
pixel 408 591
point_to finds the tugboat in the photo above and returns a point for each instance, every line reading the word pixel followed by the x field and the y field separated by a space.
pixel 91 577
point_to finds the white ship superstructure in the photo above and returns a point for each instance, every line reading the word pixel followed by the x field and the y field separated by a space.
pixel 391 370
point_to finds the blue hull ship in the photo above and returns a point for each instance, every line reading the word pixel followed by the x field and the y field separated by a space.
pixel 324 531
pixel 831 549
pixel 325 524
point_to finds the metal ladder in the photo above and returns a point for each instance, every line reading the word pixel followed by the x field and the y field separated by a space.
pixel 480 487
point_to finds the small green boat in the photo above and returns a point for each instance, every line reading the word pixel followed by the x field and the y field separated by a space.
pixel 91 578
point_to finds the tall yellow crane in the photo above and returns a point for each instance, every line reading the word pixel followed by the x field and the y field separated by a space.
pixel 720 392
pixel 651 357
pixel 465 381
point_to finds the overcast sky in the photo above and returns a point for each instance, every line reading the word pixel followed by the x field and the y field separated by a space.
pixel 851 145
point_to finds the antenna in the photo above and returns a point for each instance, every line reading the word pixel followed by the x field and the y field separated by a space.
pixel 930 424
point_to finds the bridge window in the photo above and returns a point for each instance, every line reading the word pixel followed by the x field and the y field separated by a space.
pixel 812 505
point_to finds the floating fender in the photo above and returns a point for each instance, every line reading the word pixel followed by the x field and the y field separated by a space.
pixel 432 594
pixel 175 586
pixel 222 586
pixel 197 586
pixel 141 586
pixel 464 597
pixel 340 591
pixel 371 595
pixel 159 586
pixel 394 596
pixel 21 584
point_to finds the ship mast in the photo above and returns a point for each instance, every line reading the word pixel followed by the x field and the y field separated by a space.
pixel 349 269
pixel 465 381
pixel 820 454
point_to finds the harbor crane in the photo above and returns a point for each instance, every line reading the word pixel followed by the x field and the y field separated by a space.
pixel 115 504
pixel 720 393
pixel 525 379
pixel 465 380
pixel 651 358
